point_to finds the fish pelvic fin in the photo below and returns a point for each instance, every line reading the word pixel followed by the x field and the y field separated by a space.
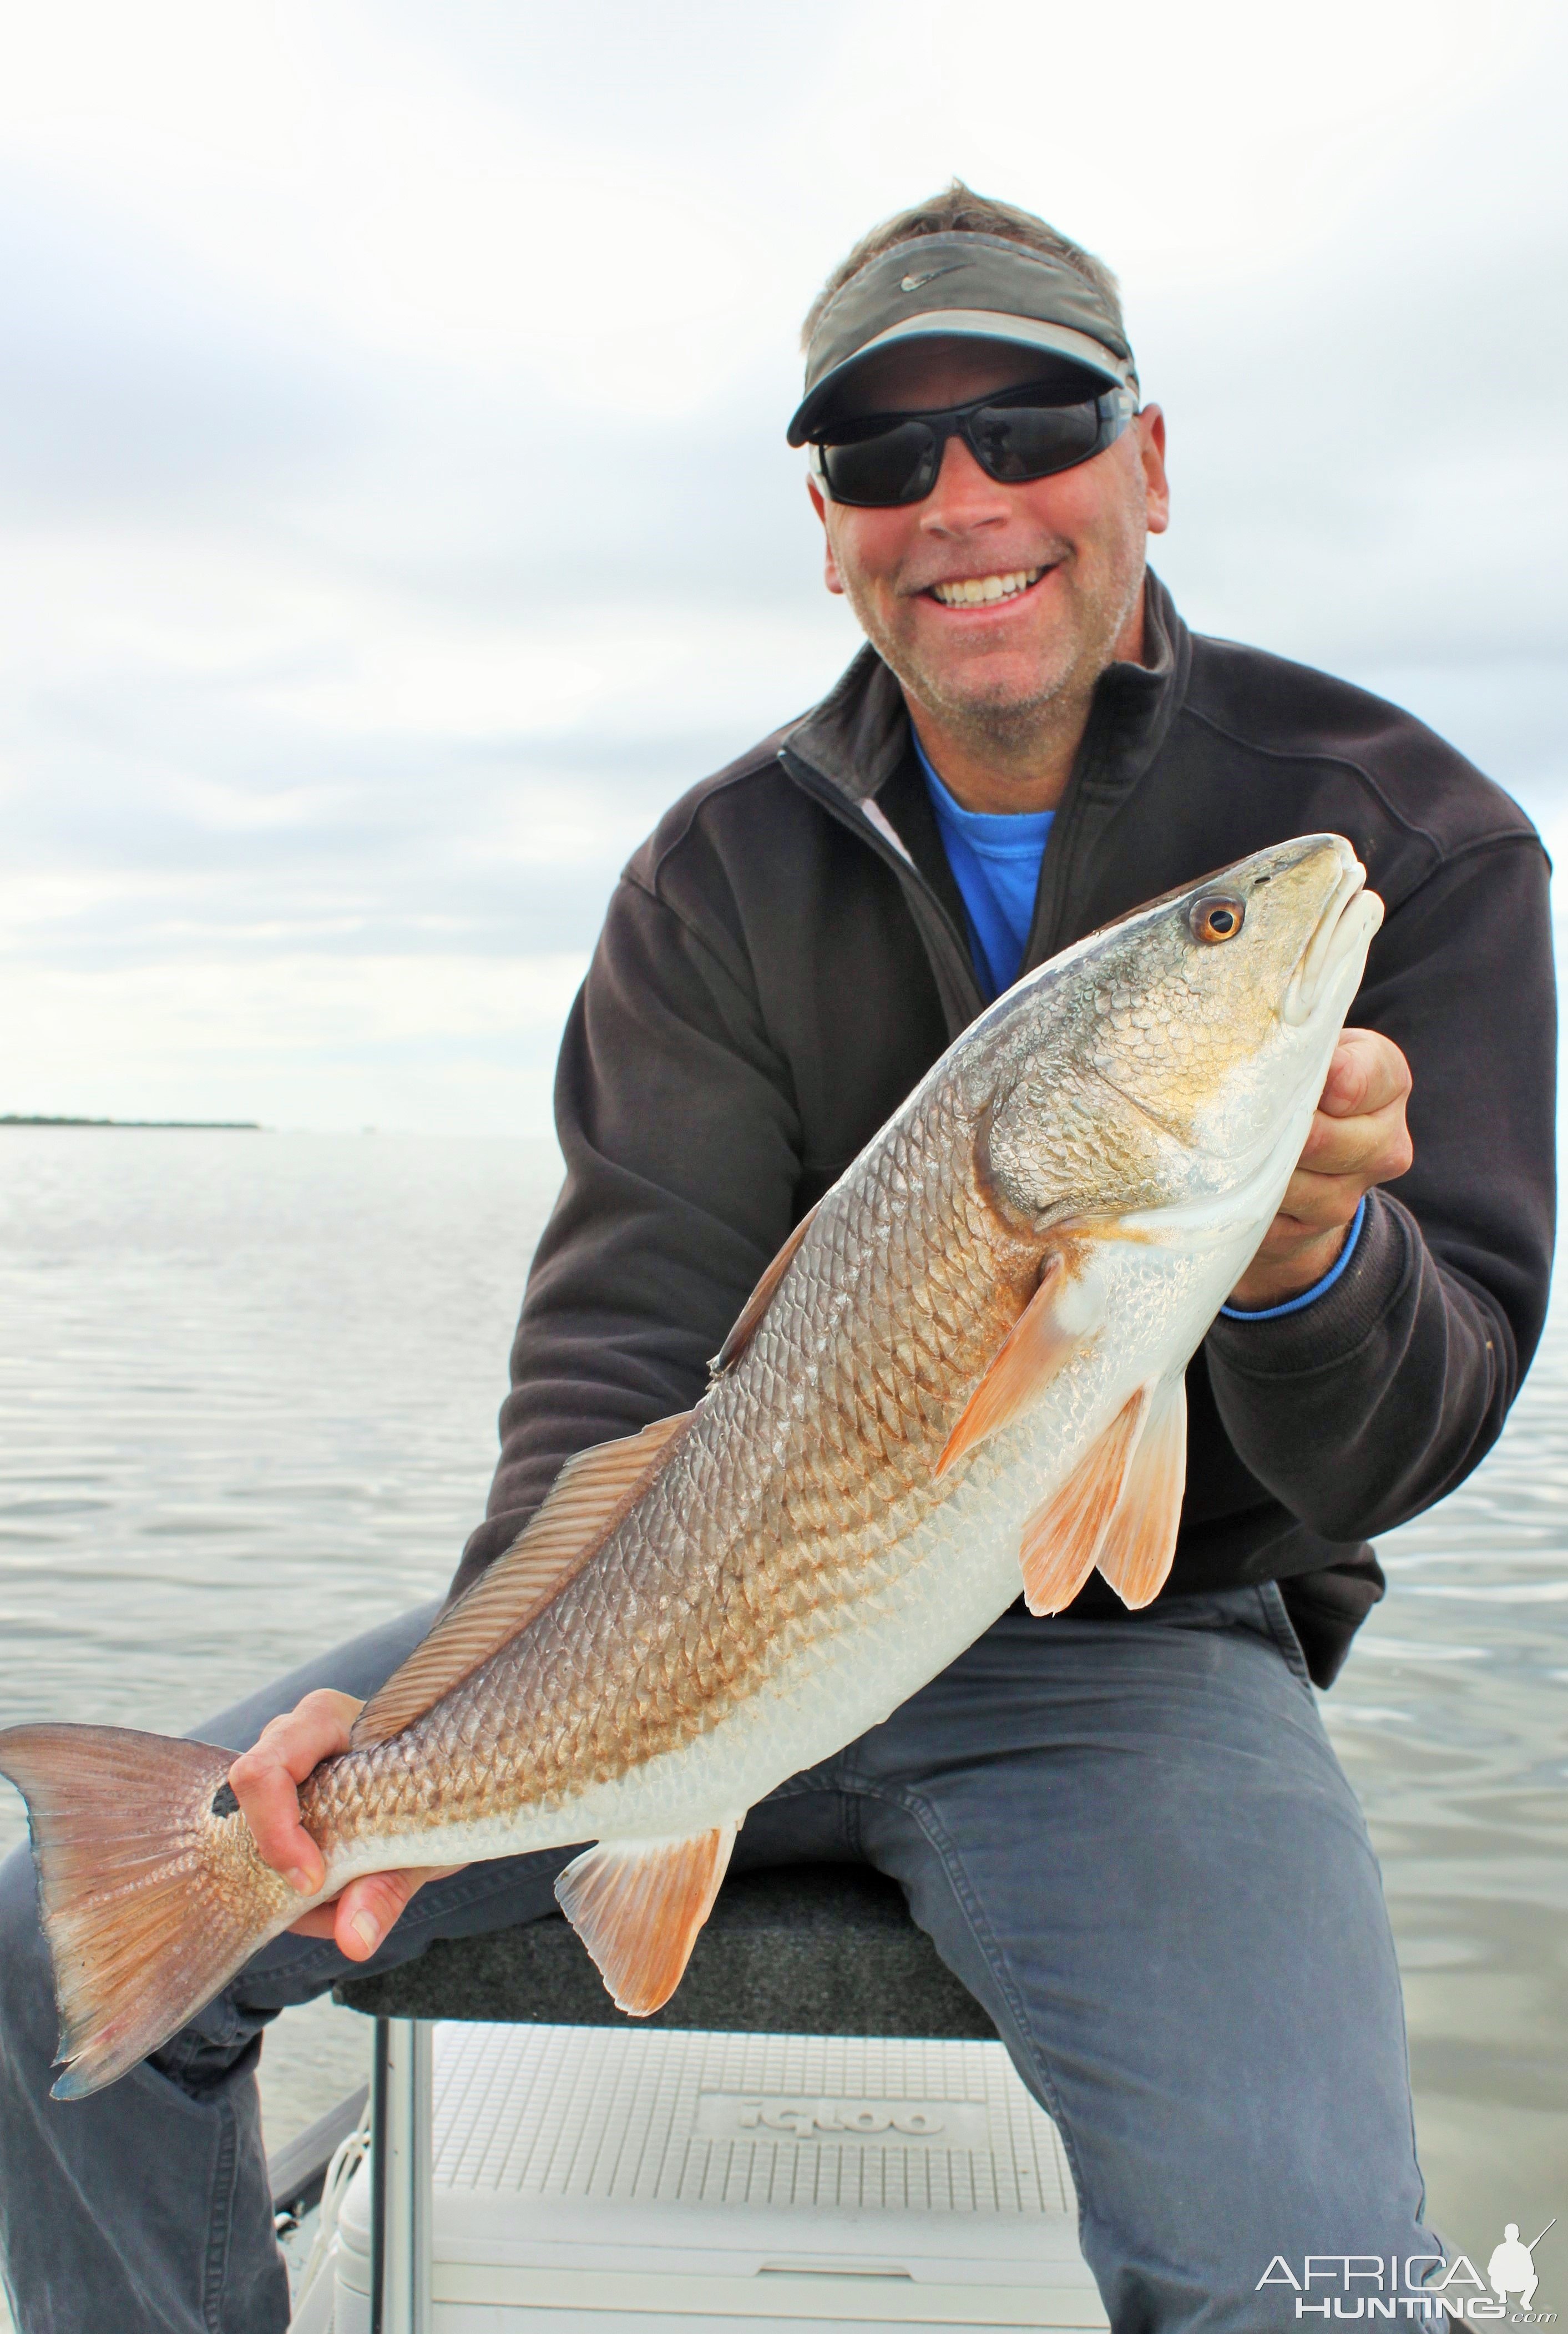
pixel 588 1498
pixel 1064 1535
pixel 1140 1543
pixel 1038 1345
pixel 750 1318
pixel 150 1903
pixel 638 1906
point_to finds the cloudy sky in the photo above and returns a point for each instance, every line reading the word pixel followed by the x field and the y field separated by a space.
pixel 394 510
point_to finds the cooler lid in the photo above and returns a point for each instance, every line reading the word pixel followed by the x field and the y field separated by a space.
pixel 600 2147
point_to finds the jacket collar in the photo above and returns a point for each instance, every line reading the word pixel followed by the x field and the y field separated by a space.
pixel 858 735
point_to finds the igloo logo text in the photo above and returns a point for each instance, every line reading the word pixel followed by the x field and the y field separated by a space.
pixel 754 2115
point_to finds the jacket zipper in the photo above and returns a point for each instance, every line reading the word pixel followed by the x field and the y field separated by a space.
pixel 936 924
pixel 932 922
pixel 1045 935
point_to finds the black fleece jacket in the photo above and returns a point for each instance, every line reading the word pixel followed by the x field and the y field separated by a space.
pixel 783 959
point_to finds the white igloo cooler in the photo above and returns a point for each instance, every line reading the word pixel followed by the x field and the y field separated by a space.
pixel 592 2178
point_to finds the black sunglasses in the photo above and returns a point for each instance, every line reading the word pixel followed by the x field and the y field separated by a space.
pixel 1018 434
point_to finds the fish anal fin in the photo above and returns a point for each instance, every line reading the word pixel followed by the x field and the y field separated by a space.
pixel 1035 1347
pixel 1062 1537
pixel 1140 1543
pixel 588 1498
pixel 638 1906
pixel 750 1318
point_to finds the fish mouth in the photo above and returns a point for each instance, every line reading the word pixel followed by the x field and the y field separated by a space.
pixel 1343 931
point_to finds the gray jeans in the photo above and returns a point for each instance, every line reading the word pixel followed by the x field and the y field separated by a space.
pixel 1130 1839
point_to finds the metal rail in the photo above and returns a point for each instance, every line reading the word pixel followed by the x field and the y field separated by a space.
pixel 403 2098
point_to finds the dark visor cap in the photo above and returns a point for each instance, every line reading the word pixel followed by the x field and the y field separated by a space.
pixel 958 286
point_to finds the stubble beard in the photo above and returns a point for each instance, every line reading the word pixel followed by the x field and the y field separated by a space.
pixel 1002 727
pixel 1009 729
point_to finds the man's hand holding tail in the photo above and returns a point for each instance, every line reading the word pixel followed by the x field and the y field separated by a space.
pixel 266 1781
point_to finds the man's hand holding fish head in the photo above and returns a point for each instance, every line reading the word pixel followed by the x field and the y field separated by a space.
pixel 1360 1138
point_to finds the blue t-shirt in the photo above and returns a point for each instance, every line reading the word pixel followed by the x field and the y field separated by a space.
pixel 994 856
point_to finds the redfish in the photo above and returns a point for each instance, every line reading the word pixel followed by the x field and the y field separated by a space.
pixel 962 1376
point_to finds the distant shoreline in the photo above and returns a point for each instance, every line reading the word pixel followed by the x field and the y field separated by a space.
pixel 161 1125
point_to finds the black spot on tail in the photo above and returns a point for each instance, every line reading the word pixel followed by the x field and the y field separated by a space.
pixel 224 1802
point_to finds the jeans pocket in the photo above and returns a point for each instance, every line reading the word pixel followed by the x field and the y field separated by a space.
pixel 1281 1628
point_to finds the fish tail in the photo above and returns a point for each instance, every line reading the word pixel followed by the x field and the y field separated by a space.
pixel 151 1897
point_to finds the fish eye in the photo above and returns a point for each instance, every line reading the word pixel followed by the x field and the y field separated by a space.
pixel 1216 919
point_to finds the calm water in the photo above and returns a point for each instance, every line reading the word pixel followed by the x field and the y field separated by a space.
pixel 248 1387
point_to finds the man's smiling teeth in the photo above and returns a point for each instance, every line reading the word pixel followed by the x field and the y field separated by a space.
pixel 975 589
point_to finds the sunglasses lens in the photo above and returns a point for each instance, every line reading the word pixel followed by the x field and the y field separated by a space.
pixel 894 465
pixel 1013 439
pixel 1030 441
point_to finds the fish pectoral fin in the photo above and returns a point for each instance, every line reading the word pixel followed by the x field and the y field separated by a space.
pixel 750 1318
pixel 1035 1347
pixel 587 1500
pixel 1064 1535
pixel 1140 1542
pixel 638 1906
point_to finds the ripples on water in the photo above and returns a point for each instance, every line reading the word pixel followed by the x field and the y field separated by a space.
pixel 248 1387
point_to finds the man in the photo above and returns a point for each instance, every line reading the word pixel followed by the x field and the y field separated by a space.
pixel 1127 1833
